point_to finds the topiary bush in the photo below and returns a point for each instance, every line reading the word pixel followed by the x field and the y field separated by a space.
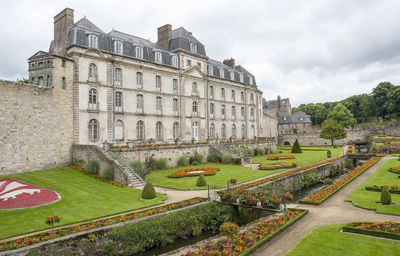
pixel 148 191
pixel 256 151
pixel 328 154
pixel 183 161
pixel 92 166
pixel 233 181
pixel 161 163
pixel 201 181
pixel 107 172
pixel 212 157
pixel 296 147
pixel 198 158
pixel 227 159
pixel 386 198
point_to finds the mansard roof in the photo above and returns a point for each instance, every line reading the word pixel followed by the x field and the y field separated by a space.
pixel 181 39
pixel 274 103
pixel 85 23
pixel 299 117
pixel 217 65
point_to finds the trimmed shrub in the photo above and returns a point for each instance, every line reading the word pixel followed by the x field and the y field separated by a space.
pixel 195 163
pixel 107 172
pixel 250 152
pixel 256 152
pixel 328 154
pixel 148 191
pixel 233 181
pixel 296 147
pixel 212 157
pixel 261 151
pixel 92 166
pixel 198 158
pixel 161 163
pixel 311 178
pixel 201 181
pixel 386 198
pixel 140 169
pixel 183 161
pixel 328 181
pixel 227 159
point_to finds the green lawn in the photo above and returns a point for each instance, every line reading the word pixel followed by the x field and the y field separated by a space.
pixel 330 241
pixel 307 157
pixel 367 199
pixel 82 198
pixel 384 137
pixel 226 172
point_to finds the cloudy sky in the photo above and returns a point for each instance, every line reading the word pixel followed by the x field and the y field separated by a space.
pixel 310 50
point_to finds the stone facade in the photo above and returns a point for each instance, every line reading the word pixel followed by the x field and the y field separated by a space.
pixel 309 139
pixel 35 125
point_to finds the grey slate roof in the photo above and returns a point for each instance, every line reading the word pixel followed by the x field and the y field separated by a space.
pixel 85 23
pixel 274 103
pixel 181 39
pixel 299 117
pixel 216 65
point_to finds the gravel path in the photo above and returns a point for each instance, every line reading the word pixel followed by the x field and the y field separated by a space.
pixel 332 211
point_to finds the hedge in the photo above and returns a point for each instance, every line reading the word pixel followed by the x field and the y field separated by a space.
pixel 269 237
pixel 394 191
pixel 376 233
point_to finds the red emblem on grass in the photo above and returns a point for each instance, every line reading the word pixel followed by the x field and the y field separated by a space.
pixel 15 194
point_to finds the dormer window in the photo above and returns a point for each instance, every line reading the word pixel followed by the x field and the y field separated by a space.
pixel 93 41
pixel 209 70
pixel 301 119
pixel 158 57
pixel 139 52
pixel 241 78
pixel 118 47
pixel 221 73
pixel 251 80
pixel 284 118
pixel 174 61
pixel 232 75
pixel 193 47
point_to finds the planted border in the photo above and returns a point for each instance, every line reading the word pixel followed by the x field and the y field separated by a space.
pixel 387 229
pixel 192 172
pixel 99 177
pixel 30 240
pixel 395 189
pixel 278 165
pixel 321 195
pixel 281 157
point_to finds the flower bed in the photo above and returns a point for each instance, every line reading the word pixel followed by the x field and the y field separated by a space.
pixel 281 157
pixel 388 229
pixel 351 149
pixel 394 188
pixel 278 165
pixel 395 169
pixel 328 191
pixel 288 173
pixel 362 156
pixel 206 171
pixel 245 243
pixel 29 240
pixel 96 176
pixel 252 198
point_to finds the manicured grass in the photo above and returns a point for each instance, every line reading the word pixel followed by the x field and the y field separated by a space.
pixel 307 157
pixel 82 198
pixel 384 137
pixel 367 199
pixel 330 241
pixel 226 172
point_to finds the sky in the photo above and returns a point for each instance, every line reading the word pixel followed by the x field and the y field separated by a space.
pixel 310 51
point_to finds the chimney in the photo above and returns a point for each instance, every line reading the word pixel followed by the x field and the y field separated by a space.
pixel 279 101
pixel 164 35
pixel 229 62
pixel 62 23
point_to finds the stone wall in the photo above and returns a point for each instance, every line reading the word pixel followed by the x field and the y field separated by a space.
pixel 35 126
pixel 314 139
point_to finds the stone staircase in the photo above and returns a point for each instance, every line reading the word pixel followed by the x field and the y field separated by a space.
pixel 134 180
pixel 222 150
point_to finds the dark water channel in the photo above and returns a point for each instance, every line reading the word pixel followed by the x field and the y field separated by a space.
pixel 253 215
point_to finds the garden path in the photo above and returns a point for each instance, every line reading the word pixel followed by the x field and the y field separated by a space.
pixel 333 211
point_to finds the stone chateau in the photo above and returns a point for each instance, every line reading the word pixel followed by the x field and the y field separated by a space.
pixel 126 88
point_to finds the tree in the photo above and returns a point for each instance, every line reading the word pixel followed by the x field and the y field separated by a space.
pixel 332 130
pixel 342 115
pixel 380 96
pixel 393 102
pixel 296 147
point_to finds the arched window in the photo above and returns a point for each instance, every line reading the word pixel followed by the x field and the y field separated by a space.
pixel 194 89
pixel 159 131
pixel 252 131
pixel 233 131
pixel 119 130
pixel 223 131
pixel 175 130
pixel 140 130
pixel 92 72
pixel 251 99
pixel 194 106
pixel 243 131
pixel 93 130
pixel 212 131
pixel 93 99
pixel 196 131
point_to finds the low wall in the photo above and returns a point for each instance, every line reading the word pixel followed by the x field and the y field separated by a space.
pixel 308 139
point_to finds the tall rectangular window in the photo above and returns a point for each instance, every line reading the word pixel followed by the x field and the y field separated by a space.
pixel 158 83
pixel 118 101
pixel 93 41
pixel 223 111
pixel 233 95
pixel 242 96
pixel 139 79
pixel 233 113
pixel 211 92
pixel 40 80
pixel 174 61
pixel 63 83
pixel 158 57
pixel 118 47
pixel 158 105
pixel 63 63
pixel 222 93
pixel 139 102
pixel 175 85
pixel 175 106
pixel 242 112
pixel 211 109
pixel 139 52
pixel 118 76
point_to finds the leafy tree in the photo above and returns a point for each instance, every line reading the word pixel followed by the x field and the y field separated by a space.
pixel 380 96
pixel 393 103
pixel 342 115
pixel 332 130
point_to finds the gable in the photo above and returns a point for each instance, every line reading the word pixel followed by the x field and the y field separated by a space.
pixel 39 54
pixel 194 72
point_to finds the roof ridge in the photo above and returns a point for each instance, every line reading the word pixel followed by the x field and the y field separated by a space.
pixel 131 35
